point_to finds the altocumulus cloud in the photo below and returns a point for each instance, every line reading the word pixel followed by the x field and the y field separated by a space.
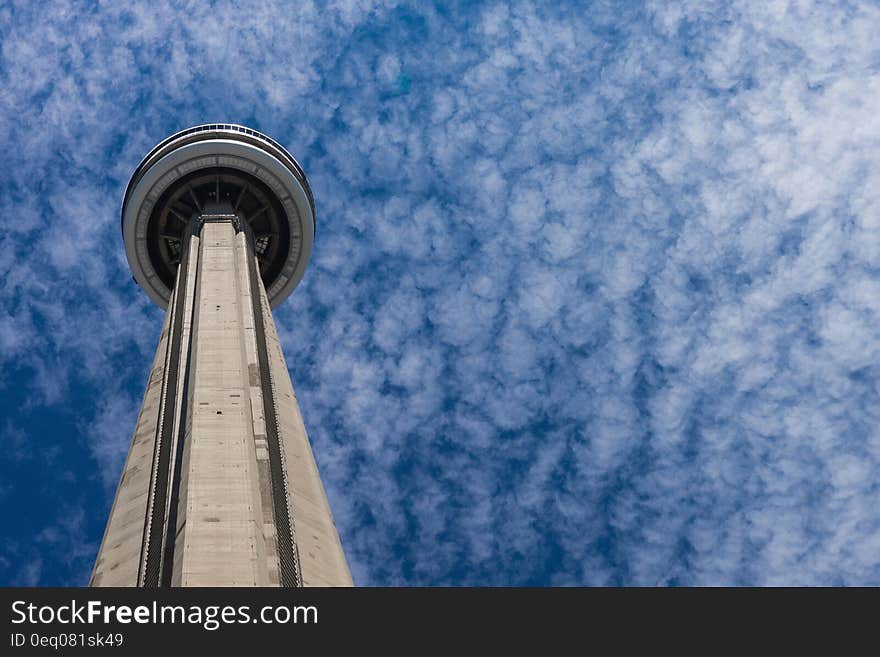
pixel 594 298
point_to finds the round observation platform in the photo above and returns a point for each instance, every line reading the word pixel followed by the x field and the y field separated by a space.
pixel 218 165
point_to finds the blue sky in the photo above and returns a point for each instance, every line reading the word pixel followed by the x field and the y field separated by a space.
pixel 594 297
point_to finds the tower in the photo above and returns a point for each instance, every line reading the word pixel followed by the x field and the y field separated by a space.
pixel 220 487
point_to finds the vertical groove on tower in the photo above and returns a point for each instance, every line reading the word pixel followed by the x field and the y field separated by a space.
pixel 154 528
pixel 183 416
pixel 288 559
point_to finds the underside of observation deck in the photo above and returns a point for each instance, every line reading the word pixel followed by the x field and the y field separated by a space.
pixel 202 168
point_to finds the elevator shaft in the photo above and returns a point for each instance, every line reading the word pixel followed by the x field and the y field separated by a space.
pixel 220 478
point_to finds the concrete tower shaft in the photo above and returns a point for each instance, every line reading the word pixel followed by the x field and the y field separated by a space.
pixel 220 487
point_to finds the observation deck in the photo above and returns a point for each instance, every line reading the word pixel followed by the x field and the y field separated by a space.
pixel 211 166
